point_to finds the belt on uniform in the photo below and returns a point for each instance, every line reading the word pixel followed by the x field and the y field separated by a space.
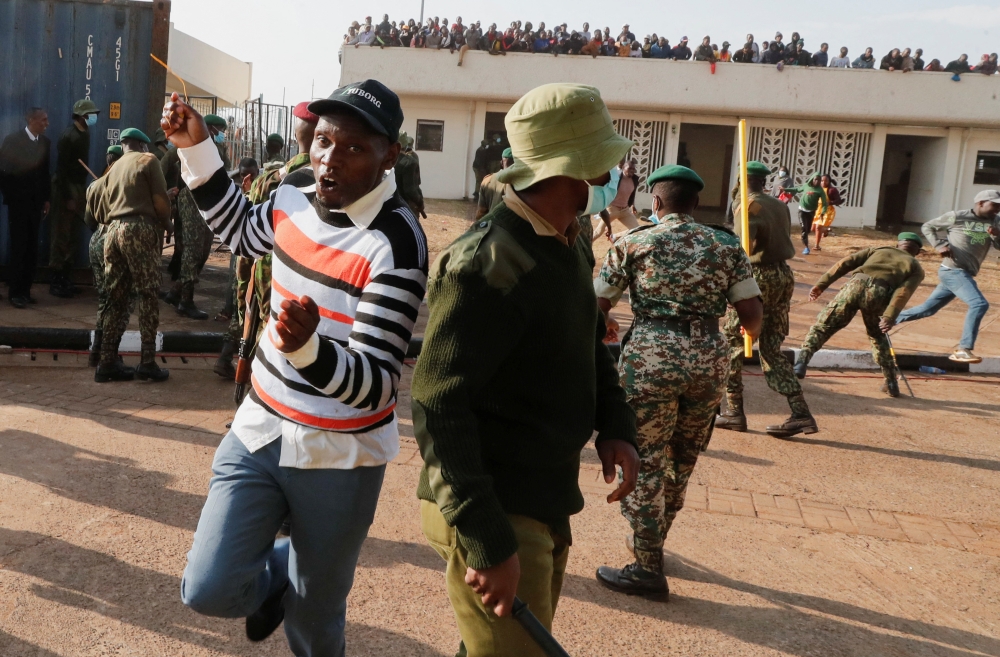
pixel 132 219
pixel 688 327
pixel 875 281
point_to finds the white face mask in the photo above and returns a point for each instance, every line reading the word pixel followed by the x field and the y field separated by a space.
pixel 599 198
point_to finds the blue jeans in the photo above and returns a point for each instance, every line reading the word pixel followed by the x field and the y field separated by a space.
pixel 954 283
pixel 235 562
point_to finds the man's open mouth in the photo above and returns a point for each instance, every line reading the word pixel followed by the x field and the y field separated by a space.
pixel 326 184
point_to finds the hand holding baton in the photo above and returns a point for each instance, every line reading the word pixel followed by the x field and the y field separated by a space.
pixel 536 630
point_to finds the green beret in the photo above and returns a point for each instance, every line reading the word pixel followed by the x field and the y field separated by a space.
pixel 755 168
pixel 274 136
pixel 507 153
pixel 115 150
pixel 910 237
pixel 216 121
pixel 134 133
pixel 675 172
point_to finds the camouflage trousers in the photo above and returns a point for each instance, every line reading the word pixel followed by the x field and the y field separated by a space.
pixel 776 283
pixel 97 265
pixel 195 240
pixel 65 224
pixel 859 294
pixel 132 257
pixel 674 384
pixel 262 292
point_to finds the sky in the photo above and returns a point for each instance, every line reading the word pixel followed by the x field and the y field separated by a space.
pixel 293 44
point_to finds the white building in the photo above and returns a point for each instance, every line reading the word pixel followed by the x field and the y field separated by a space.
pixel 206 71
pixel 899 146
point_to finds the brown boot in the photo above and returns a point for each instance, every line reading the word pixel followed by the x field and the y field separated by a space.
pixel 801 420
pixel 733 418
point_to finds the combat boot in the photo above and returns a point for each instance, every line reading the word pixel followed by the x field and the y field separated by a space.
pixel 635 579
pixel 800 367
pixel 186 307
pixel 733 418
pixel 801 420
pixel 95 349
pixel 891 387
pixel 173 295
pixel 148 370
pixel 111 367
pixel 224 364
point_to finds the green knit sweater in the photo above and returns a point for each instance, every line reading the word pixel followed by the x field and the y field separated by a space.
pixel 512 380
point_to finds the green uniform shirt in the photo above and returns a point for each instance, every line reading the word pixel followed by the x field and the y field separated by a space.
pixel 678 269
pixel 490 194
pixel 135 187
pixel 95 214
pixel 73 145
pixel 408 178
pixel 893 266
pixel 770 229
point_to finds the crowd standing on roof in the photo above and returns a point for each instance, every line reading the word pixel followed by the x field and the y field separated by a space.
pixel 438 33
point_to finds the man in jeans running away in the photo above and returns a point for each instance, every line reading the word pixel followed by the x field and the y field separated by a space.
pixel 963 239
pixel 311 441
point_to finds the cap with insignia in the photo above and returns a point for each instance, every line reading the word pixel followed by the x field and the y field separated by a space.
pixel 675 172
pixel 134 133
pixel 115 150
pixel 216 121
pixel 755 168
pixel 910 237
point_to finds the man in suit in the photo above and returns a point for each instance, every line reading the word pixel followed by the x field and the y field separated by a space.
pixel 26 185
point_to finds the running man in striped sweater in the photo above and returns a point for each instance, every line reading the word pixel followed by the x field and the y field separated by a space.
pixel 312 439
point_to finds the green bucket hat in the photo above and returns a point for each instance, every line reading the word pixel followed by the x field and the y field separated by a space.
pixel 561 130
pixel 910 237
pixel 134 133
pixel 115 150
pixel 755 168
pixel 216 120
pixel 85 107
pixel 675 172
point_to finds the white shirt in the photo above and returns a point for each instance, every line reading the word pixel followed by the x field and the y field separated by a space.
pixel 31 135
pixel 840 62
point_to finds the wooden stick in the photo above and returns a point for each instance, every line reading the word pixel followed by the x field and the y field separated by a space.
pixel 170 71
pixel 745 216
pixel 84 165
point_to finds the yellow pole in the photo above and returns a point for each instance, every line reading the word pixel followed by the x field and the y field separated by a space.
pixel 744 215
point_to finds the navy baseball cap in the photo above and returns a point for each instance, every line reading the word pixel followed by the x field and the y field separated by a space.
pixel 371 100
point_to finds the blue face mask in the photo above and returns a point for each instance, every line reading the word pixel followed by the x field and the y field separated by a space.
pixel 219 138
pixel 599 198
pixel 91 120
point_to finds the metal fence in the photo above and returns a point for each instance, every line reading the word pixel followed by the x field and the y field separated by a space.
pixel 249 126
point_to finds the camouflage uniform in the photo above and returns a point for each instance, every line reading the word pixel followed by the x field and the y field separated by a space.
pixel 860 294
pixel 673 367
pixel 408 181
pixel 132 257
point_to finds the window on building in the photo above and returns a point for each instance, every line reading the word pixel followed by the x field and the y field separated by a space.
pixel 430 135
pixel 987 168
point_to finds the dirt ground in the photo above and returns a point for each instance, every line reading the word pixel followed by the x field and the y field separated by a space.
pixel 876 536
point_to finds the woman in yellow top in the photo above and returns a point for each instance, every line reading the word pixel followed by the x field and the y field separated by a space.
pixel 826 212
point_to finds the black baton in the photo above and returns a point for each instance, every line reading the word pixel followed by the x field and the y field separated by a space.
pixel 534 627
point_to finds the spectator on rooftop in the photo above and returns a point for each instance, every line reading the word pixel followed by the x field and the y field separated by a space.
pixel 647 47
pixel 351 38
pixel 626 37
pixel 798 56
pixel 907 61
pixel 866 60
pixel 541 42
pixel 705 53
pixel 681 50
pixel 574 45
pixel 988 66
pixel 724 54
pixel 419 40
pixel 960 65
pixel 509 40
pixel 793 42
pixel 610 48
pixel 773 55
pixel 918 60
pixel 585 34
pixel 635 50
pixel 745 54
pixel 434 39
pixel 625 49
pixel 366 37
pixel 821 57
pixel 594 46
pixel 384 26
pixel 764 47
pixel 405 36
pixel 660 49
pixel 842 61
pixel 754 49
pixel 472 36
pixel 778 40
pixel 893 61
pixel 935 66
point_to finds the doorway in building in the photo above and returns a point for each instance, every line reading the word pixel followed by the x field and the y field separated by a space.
pixel 708 149
pixel 912 175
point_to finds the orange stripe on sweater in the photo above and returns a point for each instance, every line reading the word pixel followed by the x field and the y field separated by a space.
pixel 329 424
pixel 324 312
pixel 344 265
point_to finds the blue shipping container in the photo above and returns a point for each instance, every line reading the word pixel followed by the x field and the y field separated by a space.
pixel 55 52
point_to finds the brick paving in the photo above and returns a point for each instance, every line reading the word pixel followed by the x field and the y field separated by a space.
pixel 819 516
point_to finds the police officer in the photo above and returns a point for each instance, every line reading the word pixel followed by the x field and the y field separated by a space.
pixel 69 193
pixel 138 210
pixel 408 176
pixel 883 280
pixel 194 237
pixel 770 249
pixel 680 276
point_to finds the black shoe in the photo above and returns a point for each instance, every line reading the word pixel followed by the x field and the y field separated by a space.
pixel 891 387
pixel 57 290
pixel 172 296
pixel 731 421
pixel 633 579
pixel 793 426
pixel 191 311
pixel 151 372
pixel 19 302
pixel 800 369
pixel 114 372
pixel 263 622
